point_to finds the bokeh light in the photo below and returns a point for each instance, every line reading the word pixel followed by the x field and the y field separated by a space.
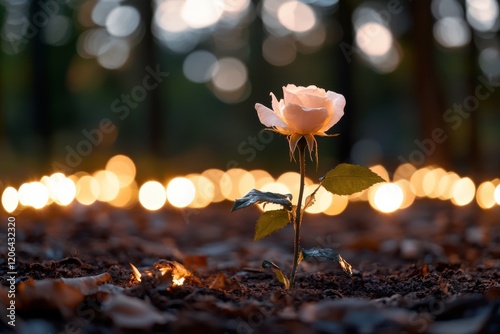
pixel 123 167
pixel 387 197
pixel 463 191
pixel 33 194
pixel 87 190
pixel 109 185
pixel 180 192
pixel 152 195
pixel 296 16
pixel 10 199
pixel 485 195
pixel 122 21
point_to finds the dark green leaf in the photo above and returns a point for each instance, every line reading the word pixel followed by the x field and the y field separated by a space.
pixel 256 196
pixel 347 179
pixel 329 254
pixel 271 221
pixel 280 275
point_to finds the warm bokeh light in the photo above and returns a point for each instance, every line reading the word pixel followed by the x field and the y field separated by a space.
pixel 296 16
pixel 62 190
pixel 463 192
pixel 232 191
pixel 275 187
pixel 109 185
pixel 417 181
pixel 387 197
pixel 229 74
pixel 445 185
pixel 408 195
pixel 380 171
pixel 292 182
pixel 201 13
pixel 152 195
pixel 87 190
pixel 220 180
pixel 374 39
pixel 404 172
pixel 485 195
pixel 261 178
pixel 338 205
pixel 123 167
pixel 496 194
pixel 127 196
pixel 10 199
pixel 322 199
pixel 205 191
pixel 33 194
pixel 180 192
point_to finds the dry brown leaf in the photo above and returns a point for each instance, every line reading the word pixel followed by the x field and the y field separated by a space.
pixel 221 282
pixel 134 313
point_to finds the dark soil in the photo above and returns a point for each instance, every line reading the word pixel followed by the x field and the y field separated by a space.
pixel 433 268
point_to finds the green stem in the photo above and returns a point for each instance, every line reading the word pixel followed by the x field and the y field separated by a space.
pixel 298 212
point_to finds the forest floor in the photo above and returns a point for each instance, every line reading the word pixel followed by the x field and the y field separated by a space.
pixel 432 268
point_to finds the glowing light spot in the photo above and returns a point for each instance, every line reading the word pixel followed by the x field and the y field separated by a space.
pixel 408 195
pixel 62 190
pixel 126 196
pixel 380 171
pixel 232 189
pixel 198 66
pixel 296 16
pixel 230 74
pixel 205 191
pixel 496 194
pixel 416 181
pixel 180 192
pixel 152 195
pixel 219 180
pixel 279 51
pixel 482 14
pixel 168 16
pixel 374 39
pixel 10 199
pixel 463 192
pixel 123 167
pixel 445 185
pixel 275 187
pixel 261 177
pixel 201 13
pixel 404 171
pixel 323 199
pixel 452 32
pixel 101 11
pixel 33 194
pixel 109 185
pixel 338 205
pixel 485 195
pixel 122 21
pixel 387 197
pixel 87 190
pixel 114 54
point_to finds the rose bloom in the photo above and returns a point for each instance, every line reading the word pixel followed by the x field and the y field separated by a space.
pixel 303 112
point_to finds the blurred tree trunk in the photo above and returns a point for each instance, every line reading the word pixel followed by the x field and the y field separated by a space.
pixel 428 91
pixel 40 92
pixel 148 53
pixel 474 152
pixel 343 74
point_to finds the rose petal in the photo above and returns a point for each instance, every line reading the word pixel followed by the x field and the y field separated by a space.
pixel 304 120
pixel 314 101
pixel 289 95
pixel 268 117
pixel 339 102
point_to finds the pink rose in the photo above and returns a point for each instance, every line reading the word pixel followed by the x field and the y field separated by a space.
pixel 303 112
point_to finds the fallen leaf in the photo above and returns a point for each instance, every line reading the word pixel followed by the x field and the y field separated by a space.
pixel 133 313
pixel 221 282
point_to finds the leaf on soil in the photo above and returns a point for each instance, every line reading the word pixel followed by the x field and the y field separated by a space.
pixel 347 179
pixel 280 275
pixel 329 254
pixel 133 313
pixel 221 282
pixel 48 294
pixel 256 196
pixel 270 222
pixel 63 294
